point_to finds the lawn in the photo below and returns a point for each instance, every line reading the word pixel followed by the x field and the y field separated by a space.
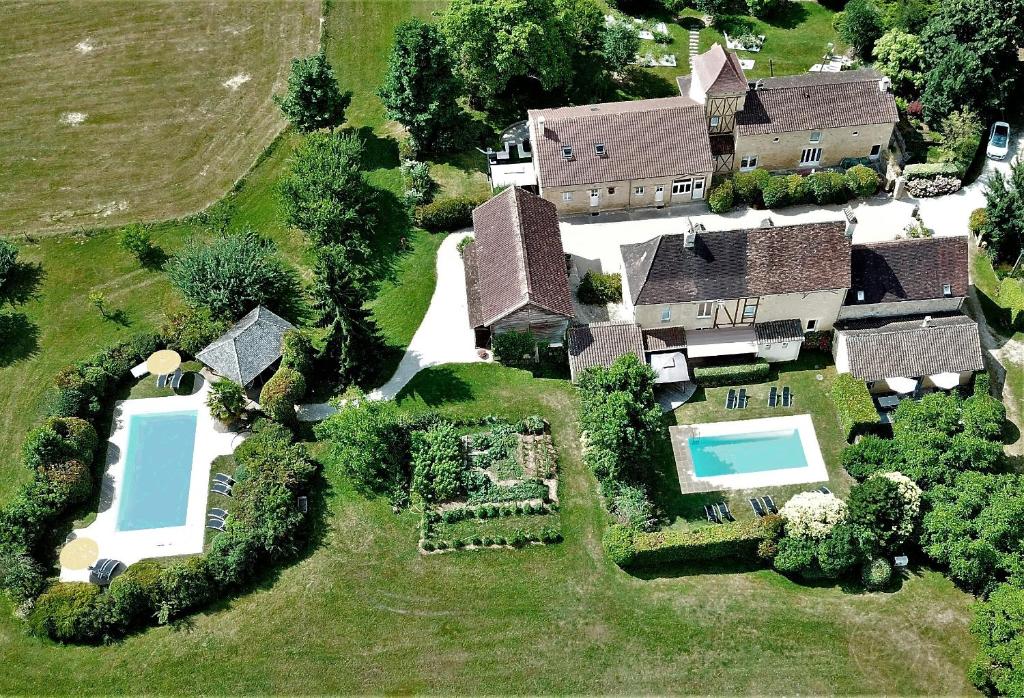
pixel 365 613
pixel 173 98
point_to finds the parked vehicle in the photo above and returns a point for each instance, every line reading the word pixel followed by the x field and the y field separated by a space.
pixel 998 141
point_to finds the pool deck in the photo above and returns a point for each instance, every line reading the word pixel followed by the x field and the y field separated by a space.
pixel 690 483
pixel 212 440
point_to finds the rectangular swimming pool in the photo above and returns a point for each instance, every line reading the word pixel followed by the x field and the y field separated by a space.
pixel 734 454
pixel 157 470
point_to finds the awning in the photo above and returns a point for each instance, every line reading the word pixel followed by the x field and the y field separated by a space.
pixel 721 342
pixel 520 175
pixel 670 368
pixel 946 381
pixel 902 385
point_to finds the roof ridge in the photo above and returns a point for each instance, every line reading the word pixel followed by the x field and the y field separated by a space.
pixel 521 235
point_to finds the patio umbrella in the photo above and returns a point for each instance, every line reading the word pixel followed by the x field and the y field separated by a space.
pixel 946 381
pixel 79 554
pixel 163 362
pixel 902 385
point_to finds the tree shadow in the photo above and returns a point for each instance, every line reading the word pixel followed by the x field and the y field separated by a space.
pixel 118 317
pixel 790 15
pixel 693 569
pixel 22 284
pixel 735 25
pixel 154 258
pixel 437 386
pixel 639 83
pixel 20 338
pixel 379 153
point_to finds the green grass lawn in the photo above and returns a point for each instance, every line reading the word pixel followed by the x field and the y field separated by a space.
pixel 365 613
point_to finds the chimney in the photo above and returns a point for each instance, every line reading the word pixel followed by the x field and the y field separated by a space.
pixel 884 84
pixel 540 126
pixel 690 237
pixel 851 222
pixel 927 322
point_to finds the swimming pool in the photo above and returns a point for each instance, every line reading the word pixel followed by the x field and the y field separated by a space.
pixel 731 454
pixel 157 470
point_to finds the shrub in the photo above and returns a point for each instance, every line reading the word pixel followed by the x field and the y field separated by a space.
pixel 597 288
pixel 722 198
pixel 750 185
pixel 862 181
pixel 67 612
pixel 776 193
pixel 929 170
pixel 877 574
pixel 20 575
pixel 513 347
pixel 998 627
pixel 868 456
pixel 976 223
pixel 448 214
pixel 59 440
pixel 854 405
pixel 812 514
pixel 884 510
pixel 71 480
pixel 226 401
pixel 281 393
pixel 632 508
pixel 983 415
pixel 828 188
pixel 533 424
pixel 738 541
pixel 463 244
pixel 192 329
pixel 135 239
pixel 437 462
pixel 183 586
pixel 733 374
pixel 420 187
pixel 961 131
pixel 297 352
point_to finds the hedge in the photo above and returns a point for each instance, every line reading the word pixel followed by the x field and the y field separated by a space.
pixel 281 393
pixel 733 374
pixel 448 214
pixel 722 198
pixel 930 170
pixel 598 288
pixel 853 402
pixel 735 541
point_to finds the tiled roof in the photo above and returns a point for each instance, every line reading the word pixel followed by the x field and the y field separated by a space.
pixel 907 270
pixel 738 263
pixel 663 338
pixel 248 348
pixel 719 72
pixel 517 258
pixel 906 348
pixel 642 139
pixel 599 344
pixel 816 101
pixel 776 331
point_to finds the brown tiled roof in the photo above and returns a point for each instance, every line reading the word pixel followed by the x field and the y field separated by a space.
pixel 905 348
pixel 599 344
pixel 517 258
pixel 642 139
pixel 472 285
pixel 738 263
pixel 663 338
pixel 776 331
pixel 908 270
pixel 719 72
pixel 814 101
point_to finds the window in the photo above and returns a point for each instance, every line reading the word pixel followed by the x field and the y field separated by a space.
pixel 639 191
pixel 682 186
pixel 595 192
pixel 775 140
pixel 767 346
pixel 856 133
pixel 566 196
pixel 748 162
pixel 860 296
pixel 567 152
pixel 599 149
pixel 666 314
pixel 812 325
pixel 810 156
pixel 815 136
pixel 716 121
pixel 704 310
pixel 749 311
pixel 611 190
pixel 947 290
pixel 876 150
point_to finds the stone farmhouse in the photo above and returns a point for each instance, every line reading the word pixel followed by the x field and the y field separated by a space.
pixel 662 152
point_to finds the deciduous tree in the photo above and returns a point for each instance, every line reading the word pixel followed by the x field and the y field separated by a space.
pixel 313 100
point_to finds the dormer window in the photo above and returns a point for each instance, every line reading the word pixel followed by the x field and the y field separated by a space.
pixel 567 152
pixel 598 150
pixel 860 296
pixel 947 290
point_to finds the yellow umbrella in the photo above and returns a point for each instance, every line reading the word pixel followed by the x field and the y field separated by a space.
pixel 163 362
pixel 79 554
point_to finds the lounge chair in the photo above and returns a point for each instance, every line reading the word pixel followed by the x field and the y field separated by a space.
pixel 140 370
pixel 176 379
pixel 221 488
pixel 773 397
pixel 302 503
pixel 787 397
pixel 161 381
pixel 742 401
pixel 216 513
pixel 711 514
pixel 723 511
pixel 225 478
pixel 824 490
pixel 730 400
pixel 104 569
pixel 755 504
pixel 215 524
pixel 769 504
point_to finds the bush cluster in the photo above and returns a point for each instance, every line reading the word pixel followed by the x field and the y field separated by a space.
pixel 517 539
pixel 191 330
pixel 722 197
pixel 930 170
pixel 281 393
pixel 518 492
pixel 514 348
pixel 760 188
pixel 598 288
pixel 448 214
pixel 731 374
pixel 854 405
pixel 438 464
pixel 738 541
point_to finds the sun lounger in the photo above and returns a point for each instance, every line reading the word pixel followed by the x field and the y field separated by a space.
pixel 140 370
pixel 773 397
pixel 723 511
pixel 730 400
pixel 711 514
pixel 755 504
pixel 225 478
pixel 787 397
pixel 104 569
pixel 742 401
pixel 216 513
pixel 769 504
pixel 221 488
pixel 302 503
pixel 176 379
pixel 824 490
pixel 161 381
pixel 215 524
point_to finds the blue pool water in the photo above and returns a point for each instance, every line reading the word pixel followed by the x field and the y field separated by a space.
pixel 735 454
pixel 157 470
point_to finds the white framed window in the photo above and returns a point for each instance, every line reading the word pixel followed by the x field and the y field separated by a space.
pixel 599 149
pixel 749 311
pixel 810 156
pixel 947 290
pixel 876 151
pixel 812 325
pixel 815 136
pixel 566 196
pixel 748 162
pixel 682 186
pixel 666 314
pixel 639 191
pixel 716 121
pixel 567 152
pixel 705 309
pixel 860 296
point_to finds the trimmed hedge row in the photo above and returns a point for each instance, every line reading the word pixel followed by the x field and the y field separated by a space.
pixel 760 188
pixel 516 539
pixel 854 405
pixel 737 541
pixel 733 374
pixel 446 215
pixel 930 170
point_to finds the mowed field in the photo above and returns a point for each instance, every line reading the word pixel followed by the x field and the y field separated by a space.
pixel 120 111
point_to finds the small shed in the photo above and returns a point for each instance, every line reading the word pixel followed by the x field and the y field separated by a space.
pixel 247 351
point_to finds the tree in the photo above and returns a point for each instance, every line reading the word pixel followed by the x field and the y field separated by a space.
pixel 234 273
pixel 961 135
pixel 135 238
pixel 226 401
pixel 437 462
pixel 883 512
pixel 900 56
pixel 860 25
pixel 8 261
pixel 326 195
pixel 1004 213
pixel 313 100
pixel 420 89
pixel 619 46
pixel 281 393
pixel 998 627
pixel 812 514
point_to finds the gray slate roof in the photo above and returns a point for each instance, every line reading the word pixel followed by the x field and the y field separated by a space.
pixel 731 264
pixel 908 270
pixel 248 348
pixel 600 343
pixel 775 331
pixel 906 348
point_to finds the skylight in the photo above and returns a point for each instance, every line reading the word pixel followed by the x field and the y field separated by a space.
pixel 599 149
pixel 567 152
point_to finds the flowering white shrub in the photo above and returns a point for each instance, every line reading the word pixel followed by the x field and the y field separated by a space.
pixel 812 514
pixel 910 493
